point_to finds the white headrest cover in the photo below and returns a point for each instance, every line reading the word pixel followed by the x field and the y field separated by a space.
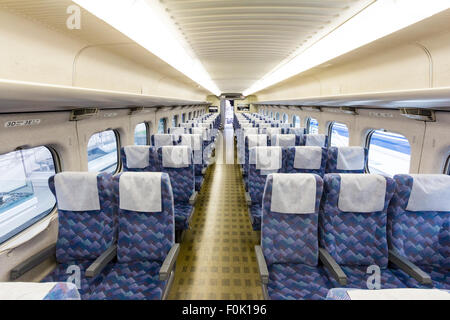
pixel 308 158
pixel 350 158
pixel 317 140
pixel 297 131
pixel 77 191
pixel 176 156
pixel 273 131
pixel 140 191
pixel 177 131
pixel 138 157
pixel 430 192
pixel 266 158
pixel 257 140
pixel 249 130
pixel 202 131
pixel 293 193
pixel 161 140
pixel 192 140
pixel 362 193
pixel 283 140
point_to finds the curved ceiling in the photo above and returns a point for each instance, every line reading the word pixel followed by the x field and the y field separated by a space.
pixel 238 42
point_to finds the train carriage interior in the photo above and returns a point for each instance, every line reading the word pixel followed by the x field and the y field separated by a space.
pixel 225 150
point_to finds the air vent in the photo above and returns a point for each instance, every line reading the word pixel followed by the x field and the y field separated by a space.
pixel 419 114
pixel 80 114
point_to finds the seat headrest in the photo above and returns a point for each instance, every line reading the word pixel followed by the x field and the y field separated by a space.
pixel 192 140
pixel 350 158
pixel 77 191
pixel 362 193
pixel 316 140
pixel 266 159
pixel 140 191
pixel 257 140
pixel 308 158
pixel 283 140
pixel 176 156
pixel 293 193
pixel 161 140
pixel 137 157
pixel 430 192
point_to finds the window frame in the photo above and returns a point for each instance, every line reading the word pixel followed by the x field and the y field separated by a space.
pixel 147 132
pixel 308 124
pixel 367 145
pixel 30 223
pixel 118 145
pixel 330 131
pixel 447 165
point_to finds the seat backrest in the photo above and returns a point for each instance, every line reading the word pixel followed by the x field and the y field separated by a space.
pixel 347 160
pixel 262 162
pixel 315 140
pixel 285 140
pixel 160 140
pixel 195 142
pixel 253 140
pixel 139 158
pixel 145 216
pixel 177 132
pixel 353 217
pixel 297 131
pixel 290 209
pixel 177 162
pixel 306 160
pixel 86 205
pixel 419 219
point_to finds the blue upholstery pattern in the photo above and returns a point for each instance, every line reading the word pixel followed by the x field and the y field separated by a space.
pixel 183 213
pixel 290 158
pixel 422 237
pixel 332 162
pixel 144 239
pixel 63 291
pixel 198 182
pixel 353 239
pixel 291 250
pixel 256 213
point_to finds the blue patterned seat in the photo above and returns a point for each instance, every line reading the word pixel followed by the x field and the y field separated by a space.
pixel 195 141
pixel 252 140
pixel 347 160
pixel 144 240
pixel 290 242
pixel 257 182
pixel 353 218
pixel 309 160
pixel 182 180
pixel 83 235
pixel 130 158
pixel 419 226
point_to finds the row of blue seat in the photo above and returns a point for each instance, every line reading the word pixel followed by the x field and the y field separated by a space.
pixel 353 230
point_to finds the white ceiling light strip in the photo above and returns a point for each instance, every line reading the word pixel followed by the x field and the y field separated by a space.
pixel 378 20
pixel 146 23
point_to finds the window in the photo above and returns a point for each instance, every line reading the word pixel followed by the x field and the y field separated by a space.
pixel 389 153
pixel 277 116
pixel 162 125
pixel 313 126
pixel 296 121
pixel 102 152
pixel 141 134
pixel 339 134
pixel 174 121
pixel 190 116
pixel 285 118
pixel 25 197
pixel 183 117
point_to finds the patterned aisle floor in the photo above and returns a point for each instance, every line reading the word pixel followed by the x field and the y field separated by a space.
pixel 217 259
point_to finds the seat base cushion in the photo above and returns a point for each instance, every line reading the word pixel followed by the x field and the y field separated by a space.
pixel 297 282
pixel 183 214
pixel 256 214
pixel 63 272
pixel 131 281
pixel 357 277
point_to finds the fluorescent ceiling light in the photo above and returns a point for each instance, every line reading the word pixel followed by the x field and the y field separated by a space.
pixel 378 20
pixel 146 23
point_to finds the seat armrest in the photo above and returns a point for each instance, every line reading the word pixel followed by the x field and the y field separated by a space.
pixel 410 268
pixel 193 198
pixel 32 262
pixel 262 265
pixel 100 263
pixel 203 171
pixel 248 199
pixel 169 262
pixel 332 266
